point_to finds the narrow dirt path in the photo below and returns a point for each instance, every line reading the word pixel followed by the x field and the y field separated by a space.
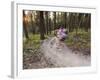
pixel 63 57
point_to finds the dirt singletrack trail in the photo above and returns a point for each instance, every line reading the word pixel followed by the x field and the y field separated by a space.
pixel 63 56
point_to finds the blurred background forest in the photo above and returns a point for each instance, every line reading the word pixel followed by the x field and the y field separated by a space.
pixel 41 25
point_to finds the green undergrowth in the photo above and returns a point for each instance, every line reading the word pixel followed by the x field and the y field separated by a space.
pixel 80 41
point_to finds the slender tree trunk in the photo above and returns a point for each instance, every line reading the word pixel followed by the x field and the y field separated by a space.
pixel 88 22
pixel 58 19
pixel 54 22
pixel 45 22
pixel 32 25
pixel 25 25
pixel 65 20
pixel 75 20
pixel 41 26
pixel 70 21
pixel 46 15
pixel 49 26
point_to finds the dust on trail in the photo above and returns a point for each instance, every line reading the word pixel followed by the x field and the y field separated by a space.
pixel 63 57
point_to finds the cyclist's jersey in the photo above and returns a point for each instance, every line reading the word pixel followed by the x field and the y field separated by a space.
pixel 61 33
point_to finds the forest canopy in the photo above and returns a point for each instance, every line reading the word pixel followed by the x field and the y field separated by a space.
pixel 45 22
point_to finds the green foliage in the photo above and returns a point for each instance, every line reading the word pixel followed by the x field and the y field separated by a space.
pixel 80 42
pixel 33 43
pixel 31 50
pixel 35 37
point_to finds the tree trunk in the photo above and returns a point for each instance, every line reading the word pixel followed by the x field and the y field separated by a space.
pixel 65 20
pixel 25 25
pixel 46 15
pixel 41 26
pixel 32 25
pixel 70 22
pixel 49 25
pixel 54 14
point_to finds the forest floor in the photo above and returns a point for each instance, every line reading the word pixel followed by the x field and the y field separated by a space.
pixel 49 56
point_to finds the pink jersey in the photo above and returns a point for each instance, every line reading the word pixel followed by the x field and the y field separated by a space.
pixel 61 33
